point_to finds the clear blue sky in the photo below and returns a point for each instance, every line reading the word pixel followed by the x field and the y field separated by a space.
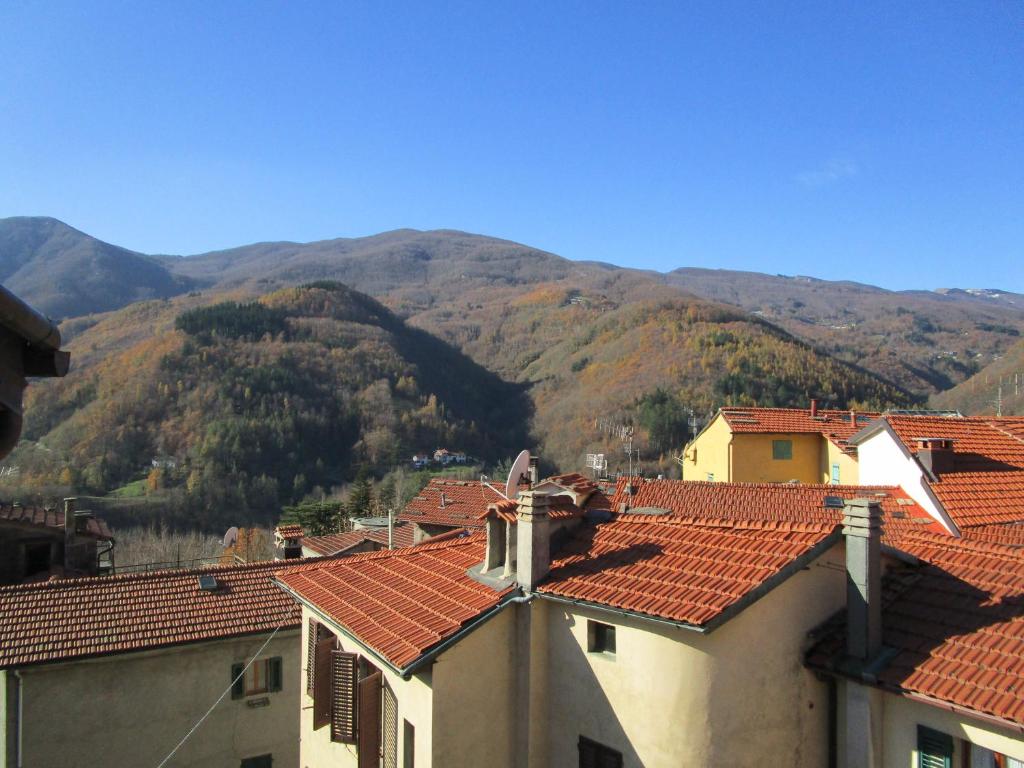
pixel 882 142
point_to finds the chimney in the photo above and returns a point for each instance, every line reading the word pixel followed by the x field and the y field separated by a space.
pixel 69 530
pixel 935 454
pixel 862 530
pixel 814 407
pixel 494 555
pixel 533 539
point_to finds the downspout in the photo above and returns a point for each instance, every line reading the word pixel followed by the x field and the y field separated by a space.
pixel 728 470
pixel 833 722
pixel 18 714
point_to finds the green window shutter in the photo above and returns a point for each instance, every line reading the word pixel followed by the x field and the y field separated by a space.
pixel 274 675
pixel 934 748
pixel 237 681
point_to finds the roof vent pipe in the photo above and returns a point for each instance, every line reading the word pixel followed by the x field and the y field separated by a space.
pixel 69 529
pixel 862 530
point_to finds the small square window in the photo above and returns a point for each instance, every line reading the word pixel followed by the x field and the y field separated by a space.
pixel 711 477
pixel 600 637
pixel 835 474
pixel 262 676
pixel 782 449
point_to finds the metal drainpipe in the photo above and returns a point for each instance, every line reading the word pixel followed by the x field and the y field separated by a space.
pixel 20 714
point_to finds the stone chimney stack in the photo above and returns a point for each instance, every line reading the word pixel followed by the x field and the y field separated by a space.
pixel 935 454
pixel 533 539
pixel 862 529
pixel 814 407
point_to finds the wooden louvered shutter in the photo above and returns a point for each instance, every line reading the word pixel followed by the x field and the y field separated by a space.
pixel 934 748
pixel 389 730
pixel 311 655
pixel 343 697
pixel 322 682
pixel 369 721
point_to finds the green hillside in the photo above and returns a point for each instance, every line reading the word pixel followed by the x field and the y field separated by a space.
pixel 978 395
pixel 245 406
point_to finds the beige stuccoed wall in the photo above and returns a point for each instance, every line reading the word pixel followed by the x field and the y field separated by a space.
pixel 414 697
pixel 131 709
pixel 475 697
pixel 739 696
pixel 897 718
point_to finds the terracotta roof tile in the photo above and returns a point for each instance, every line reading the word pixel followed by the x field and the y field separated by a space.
pixel 769 501
pixel 335 543
pixel 464 501
pixel 955 623
pixel 986 482
pixel 93 527
pixel 73 618
pixel 683 569
pixel 836 426
pixel 400 603
pixel 560 508
pixel 292 531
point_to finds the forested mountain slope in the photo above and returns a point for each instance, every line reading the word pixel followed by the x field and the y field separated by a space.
pixel 64 272
pixel 925 341
pixel 979 394
pixel 244 406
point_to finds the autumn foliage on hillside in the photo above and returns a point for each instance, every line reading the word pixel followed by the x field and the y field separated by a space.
pixel 240 407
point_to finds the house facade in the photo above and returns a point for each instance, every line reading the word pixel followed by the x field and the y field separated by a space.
pixel 117 670
pixel 625 639
pixel 776 445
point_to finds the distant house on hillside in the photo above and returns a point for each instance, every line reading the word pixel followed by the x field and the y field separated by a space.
pixel 37 543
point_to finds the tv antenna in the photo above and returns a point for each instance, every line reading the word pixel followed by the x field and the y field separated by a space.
pixel 485 480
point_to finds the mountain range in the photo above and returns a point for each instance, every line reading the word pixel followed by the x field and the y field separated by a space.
pixel 578 346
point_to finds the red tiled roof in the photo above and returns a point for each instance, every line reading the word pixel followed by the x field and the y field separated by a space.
pixel 957 624
pixel 560 508
pixel 77 618
pixel 400 603
pixel 986 483
pixel 293 531
pixel 464 502
pixel 683 569
pixel 1010 534
pixel 38 516
pixel 836 426
pixel 795 502
pixel 335 543
pixel 573 481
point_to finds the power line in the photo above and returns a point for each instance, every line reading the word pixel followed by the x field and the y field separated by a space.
pixel 221 697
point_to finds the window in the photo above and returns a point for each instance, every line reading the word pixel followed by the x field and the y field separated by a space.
pixel 262 676
pixel 594 755
pixel 711 477
pixel 408 744
pixel 600 637
pixel 934 748
pixel 260 761
pixel 835 474
pixel 782 449
pixel 980 757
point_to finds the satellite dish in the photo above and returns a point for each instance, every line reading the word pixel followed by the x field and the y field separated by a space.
pixel 520 467
pixel 231 537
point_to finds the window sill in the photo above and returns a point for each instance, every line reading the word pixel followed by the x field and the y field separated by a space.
pixel 262 701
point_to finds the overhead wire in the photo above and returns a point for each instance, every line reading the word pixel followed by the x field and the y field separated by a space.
pixel 226 691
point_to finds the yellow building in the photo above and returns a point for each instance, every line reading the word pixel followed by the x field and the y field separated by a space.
pixel 776 445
